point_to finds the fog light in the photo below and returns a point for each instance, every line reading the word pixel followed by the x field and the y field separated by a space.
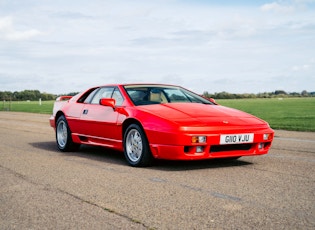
pixel 260 145
pixel 199 149
pixel 199 139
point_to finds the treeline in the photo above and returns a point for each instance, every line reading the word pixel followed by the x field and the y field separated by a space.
pixel 277 93
pixel 34 95
pixel 31 95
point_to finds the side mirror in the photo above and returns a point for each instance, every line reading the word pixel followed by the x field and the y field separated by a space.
pixel 212 100
pixel 108 102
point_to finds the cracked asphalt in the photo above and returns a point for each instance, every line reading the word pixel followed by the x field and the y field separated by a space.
pixel 94 188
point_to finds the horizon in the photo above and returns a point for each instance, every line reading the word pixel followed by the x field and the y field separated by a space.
pixel 276 92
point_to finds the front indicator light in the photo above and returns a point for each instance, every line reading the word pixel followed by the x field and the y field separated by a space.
pixel 198 139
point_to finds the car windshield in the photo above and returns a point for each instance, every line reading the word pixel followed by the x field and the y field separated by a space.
pixel 158 94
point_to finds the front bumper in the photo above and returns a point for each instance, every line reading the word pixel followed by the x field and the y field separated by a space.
pixel 52 122
pixel 212 148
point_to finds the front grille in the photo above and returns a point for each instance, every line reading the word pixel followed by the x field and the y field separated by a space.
pixel 225 148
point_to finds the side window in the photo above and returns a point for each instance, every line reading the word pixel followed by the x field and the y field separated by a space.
pixel 90 96
pixel 176 95
pixel 105 92
pixel 86 97
pixel 118 97
pixel 193 99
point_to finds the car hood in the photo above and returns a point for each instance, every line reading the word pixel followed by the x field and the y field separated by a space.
pixel 196 114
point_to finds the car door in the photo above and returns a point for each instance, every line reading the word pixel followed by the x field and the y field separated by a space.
pixel 74 112
pixel 101 121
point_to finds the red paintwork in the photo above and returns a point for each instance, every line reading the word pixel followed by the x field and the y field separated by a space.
pixel 168 127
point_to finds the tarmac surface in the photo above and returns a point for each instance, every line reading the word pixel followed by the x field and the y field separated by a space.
pixel 94 188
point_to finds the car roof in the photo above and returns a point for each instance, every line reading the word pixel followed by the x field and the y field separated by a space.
pixel 139 84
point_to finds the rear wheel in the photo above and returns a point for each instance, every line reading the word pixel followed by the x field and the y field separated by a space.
pixel 63 136
pixel 136 147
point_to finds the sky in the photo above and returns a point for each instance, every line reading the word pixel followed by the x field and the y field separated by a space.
pixel 58 46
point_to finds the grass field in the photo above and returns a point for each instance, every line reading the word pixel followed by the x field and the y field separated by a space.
pixel 28 106
pixel 288 113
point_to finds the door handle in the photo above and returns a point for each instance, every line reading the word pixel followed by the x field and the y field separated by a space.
pixel 85 111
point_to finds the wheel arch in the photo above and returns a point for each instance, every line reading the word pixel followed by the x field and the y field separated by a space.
pixel 58 114
pixel 129 122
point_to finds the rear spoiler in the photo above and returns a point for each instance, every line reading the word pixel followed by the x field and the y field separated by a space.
pixel 63 98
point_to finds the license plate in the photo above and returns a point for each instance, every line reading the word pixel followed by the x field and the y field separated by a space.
pixel 236 138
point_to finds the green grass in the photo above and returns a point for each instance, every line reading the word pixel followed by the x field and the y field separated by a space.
pixel 296 114
pixel 288 113
pixel 29 107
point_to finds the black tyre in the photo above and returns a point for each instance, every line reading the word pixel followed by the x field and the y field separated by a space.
pixel 136 147
pixel 63 136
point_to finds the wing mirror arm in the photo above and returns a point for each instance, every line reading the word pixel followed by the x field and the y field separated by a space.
pixel 112 103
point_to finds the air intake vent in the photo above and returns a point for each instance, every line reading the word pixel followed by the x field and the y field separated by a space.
pixel 225 148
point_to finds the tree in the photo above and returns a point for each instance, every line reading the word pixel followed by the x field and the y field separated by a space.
pixel 304 93
pixel 280 92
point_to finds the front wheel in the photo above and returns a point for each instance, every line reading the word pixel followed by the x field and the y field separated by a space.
pixel 63 136
pixel 136 147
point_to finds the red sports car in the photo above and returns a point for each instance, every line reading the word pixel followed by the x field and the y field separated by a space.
pixel 148 121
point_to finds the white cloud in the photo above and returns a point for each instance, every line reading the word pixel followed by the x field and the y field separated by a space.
pixel 287 6
pixel 308 66
pixel 5 24
pixel 8 32
pixel 277 7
